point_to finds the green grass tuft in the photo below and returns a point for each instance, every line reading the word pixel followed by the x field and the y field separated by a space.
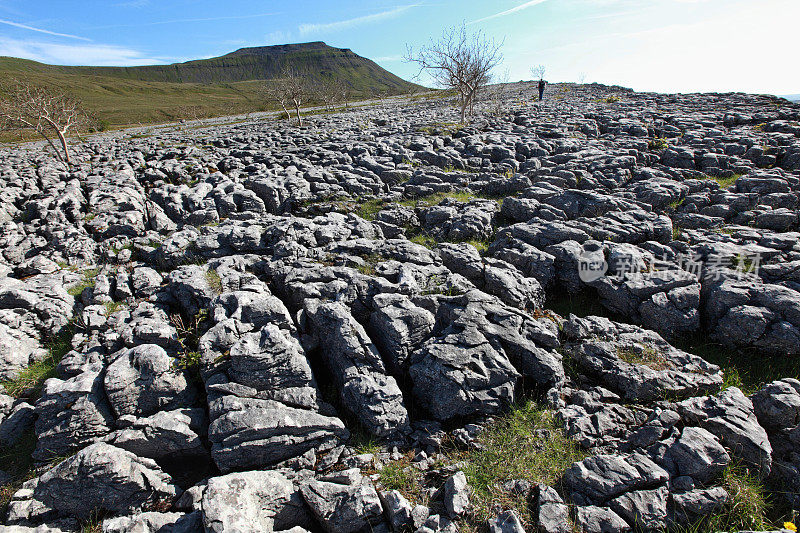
pixel 369 208
pixel 439 197
pixel 362 442
pixel 481 245
pixel 403 477
pixel 725 182
pixel 113 307
pixel 677 203
pixel 746 509
pixel 368 268
pixel 643 355
pixel 214 281
pixel 88 281
pixel 744 369
pixel 513 447
pixel 424 240
pixel 31 379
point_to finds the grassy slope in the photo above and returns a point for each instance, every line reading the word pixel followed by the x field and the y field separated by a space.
pixel 218 86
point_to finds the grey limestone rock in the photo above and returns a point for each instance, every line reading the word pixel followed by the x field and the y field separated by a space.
pixel 365 389
pixel 250 432
pixel 457 495
pixel 601 478
pixel 252 501
pixel 104 477
pixel 698 454
pixel 730 417
pixel 505 522
pixel 343 508
pixel 636 363
pixel 140 381
pixel 552 514
pixel 592 519
pixel 70 415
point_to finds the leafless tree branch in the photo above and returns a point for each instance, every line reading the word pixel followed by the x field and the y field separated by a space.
pixel 461 61
pixel 48 112
pixel 291 87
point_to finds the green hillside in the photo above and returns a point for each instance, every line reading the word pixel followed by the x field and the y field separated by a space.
pixel 208 87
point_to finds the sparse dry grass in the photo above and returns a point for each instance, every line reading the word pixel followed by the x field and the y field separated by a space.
pixel 643 355
pixel 214 281
pixel 405 478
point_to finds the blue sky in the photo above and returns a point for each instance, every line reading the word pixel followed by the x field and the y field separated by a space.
pixel 657 45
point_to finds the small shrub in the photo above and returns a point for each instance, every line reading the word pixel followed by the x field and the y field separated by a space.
pixel 188 357
pixel 659 143
pixel 188 360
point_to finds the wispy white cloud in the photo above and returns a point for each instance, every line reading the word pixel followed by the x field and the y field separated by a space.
pixel 75 54
pixel 182 21
pixel 277 37
pixel 40 30
pixel 520 7
pixel 388 59
pixel 330 27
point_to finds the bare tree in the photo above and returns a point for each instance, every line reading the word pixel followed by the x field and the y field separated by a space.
pixel 582 78
pixel 538 72
pixel 273 91
pixel 186 113
pixel 342 92
pixel 459 61
pixel 292 87
pixel 382 95
pixel 326 92
pixel 48 112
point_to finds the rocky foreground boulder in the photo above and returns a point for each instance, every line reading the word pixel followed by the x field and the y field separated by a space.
pixel 258 327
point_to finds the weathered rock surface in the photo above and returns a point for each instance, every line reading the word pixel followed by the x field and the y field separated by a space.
pixel 249 305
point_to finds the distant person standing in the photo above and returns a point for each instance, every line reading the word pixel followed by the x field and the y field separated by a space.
pixel 542 85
